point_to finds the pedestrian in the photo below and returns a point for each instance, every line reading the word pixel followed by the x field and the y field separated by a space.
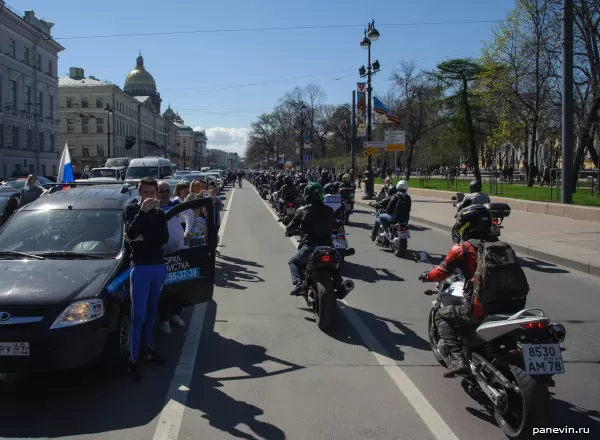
pixel 30 191
pixel 146 232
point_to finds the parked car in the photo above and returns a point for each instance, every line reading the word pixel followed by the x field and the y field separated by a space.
pixel 64 299
pixel 9 203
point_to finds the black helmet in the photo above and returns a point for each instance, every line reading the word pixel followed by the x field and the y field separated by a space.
pixel 475 186
pixel 330 188
pixel 474 221
pixel 288 179
pixel 313 193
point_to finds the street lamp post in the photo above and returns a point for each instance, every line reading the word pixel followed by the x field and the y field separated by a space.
pixel 109 112
pixel 371 34
pixel 299 106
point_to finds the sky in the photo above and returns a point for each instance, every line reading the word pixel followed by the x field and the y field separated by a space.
pixel 220 64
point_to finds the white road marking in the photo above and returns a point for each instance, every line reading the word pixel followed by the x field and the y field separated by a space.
pixel 432 419
pixel 171 416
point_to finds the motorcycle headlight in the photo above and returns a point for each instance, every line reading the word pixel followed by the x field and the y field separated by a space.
pixel 80 312
pixel 557 331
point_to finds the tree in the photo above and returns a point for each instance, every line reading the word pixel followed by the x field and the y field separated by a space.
pixel 457 75
pixel 416 105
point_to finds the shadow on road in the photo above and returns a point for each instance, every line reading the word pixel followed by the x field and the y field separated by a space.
pixel 368 274
pixel 391 334
pixel 229 275
pixel 220 409
pixel 540 266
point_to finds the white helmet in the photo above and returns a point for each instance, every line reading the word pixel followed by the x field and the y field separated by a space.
pixel 402 185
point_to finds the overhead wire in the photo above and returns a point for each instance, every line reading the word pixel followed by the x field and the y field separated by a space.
pixel 274 28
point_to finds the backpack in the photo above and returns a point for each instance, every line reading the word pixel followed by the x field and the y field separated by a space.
pixel 499 281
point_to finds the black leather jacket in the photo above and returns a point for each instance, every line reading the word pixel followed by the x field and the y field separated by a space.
pixel 288 192
pixel 315 223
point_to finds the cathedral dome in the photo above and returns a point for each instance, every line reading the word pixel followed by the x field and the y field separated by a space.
pixel 140 81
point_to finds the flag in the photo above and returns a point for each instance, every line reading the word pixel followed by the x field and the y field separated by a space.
pixel 381 109
pixel 65 167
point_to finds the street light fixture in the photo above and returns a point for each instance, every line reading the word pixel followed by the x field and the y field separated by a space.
pixel 299 106
pixel 109 112
pixel 371 34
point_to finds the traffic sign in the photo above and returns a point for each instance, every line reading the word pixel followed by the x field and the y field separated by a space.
pixel 307 158
pixel 370 151
pixel 395 136
pixel 375 145
pixel 395 147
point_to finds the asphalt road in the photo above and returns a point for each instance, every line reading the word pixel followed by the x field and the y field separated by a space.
pixel 263 370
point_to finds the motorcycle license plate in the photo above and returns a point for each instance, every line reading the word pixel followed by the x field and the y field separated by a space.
pixel 290 211
pixel 404 234
pixel 496 230
pixel 340 244
pixel 542 359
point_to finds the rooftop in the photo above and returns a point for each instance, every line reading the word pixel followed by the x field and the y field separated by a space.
pixel 66 81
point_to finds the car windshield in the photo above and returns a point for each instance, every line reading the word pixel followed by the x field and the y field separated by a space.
pixel 141 172
pixel 117 162
pixel 83 231
pixel 191 177
pixel 104 173
pixel 19 184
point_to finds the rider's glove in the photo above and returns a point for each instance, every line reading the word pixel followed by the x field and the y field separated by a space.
pixel 423 277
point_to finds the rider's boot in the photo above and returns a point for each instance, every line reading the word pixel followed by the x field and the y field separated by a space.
pixel 457 363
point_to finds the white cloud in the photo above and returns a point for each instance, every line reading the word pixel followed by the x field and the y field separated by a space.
pixel 232 140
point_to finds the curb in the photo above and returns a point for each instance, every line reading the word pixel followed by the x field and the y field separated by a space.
pixel 589 268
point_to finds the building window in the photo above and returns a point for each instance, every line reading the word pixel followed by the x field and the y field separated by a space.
pixel 84 103
pixel 11 47
pixel 51 106
pixel 50 67
pixel 15 137
pixel 99 125
pixel 52 142
pixel 26 55
pixel 1 135
pixel 13 94
pixel 99 102
pixel 40 106
pixel 100 150
pixel 29 139
pixel 70 126
pixel 38 62
pixel 41 140
pixel 85 126
pixel 69 102
pixel 27 99
pixel 85 151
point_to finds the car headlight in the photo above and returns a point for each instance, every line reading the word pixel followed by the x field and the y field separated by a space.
pixel 80 312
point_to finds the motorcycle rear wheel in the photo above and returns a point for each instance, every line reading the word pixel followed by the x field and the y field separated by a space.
pixel 524 410
pixel 400 250
pixel 325 303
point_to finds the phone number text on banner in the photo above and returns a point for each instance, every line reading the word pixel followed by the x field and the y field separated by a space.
pixel 182 275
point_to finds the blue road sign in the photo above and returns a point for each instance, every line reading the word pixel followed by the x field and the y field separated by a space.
pixel 308 157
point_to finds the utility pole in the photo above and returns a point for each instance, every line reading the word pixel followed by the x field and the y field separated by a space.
pixel 567 103
pixel 353 144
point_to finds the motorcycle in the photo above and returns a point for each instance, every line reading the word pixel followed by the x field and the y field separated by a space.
pixel 499 212
pixel 240 182
pixel 264 191
pixel 347 195
pixel 394 237
pixel 289 211
pixel 512 358
pixel 320 294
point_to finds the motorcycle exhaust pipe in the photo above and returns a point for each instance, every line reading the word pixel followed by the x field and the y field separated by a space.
pixel 349 252
pixel 346 287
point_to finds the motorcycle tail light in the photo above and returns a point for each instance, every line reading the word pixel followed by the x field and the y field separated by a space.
pixel 535 325
pixel 340 237
pixel 495 221
pixel 326 258
pixel 290 205
pixel 403 228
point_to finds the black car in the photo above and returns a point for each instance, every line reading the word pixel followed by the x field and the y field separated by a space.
pixel 9 203
pixel 64 299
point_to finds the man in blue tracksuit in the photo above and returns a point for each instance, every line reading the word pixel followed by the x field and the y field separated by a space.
pixel 146 230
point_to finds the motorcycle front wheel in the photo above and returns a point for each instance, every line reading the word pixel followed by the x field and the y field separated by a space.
pixel 524 409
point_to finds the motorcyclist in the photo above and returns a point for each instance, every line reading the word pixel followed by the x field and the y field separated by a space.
pixel 316 223
pixel 345 182
pixel 475 222
pixel 388 205
pixel 476 196
pixel 287 193
pixel 404 204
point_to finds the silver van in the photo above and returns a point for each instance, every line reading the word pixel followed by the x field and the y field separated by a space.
pixel 156 167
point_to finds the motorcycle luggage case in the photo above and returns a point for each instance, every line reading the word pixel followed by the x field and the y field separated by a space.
pixel 498 210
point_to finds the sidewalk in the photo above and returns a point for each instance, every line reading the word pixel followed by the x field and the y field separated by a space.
pixel 571 243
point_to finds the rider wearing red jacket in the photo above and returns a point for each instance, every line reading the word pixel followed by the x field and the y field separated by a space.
pixel 474 222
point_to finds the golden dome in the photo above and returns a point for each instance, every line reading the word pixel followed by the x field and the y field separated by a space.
pixel 139 80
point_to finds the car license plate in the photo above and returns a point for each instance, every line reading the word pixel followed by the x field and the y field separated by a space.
pixel 340 244
pixel 543 359
pixel 14 348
